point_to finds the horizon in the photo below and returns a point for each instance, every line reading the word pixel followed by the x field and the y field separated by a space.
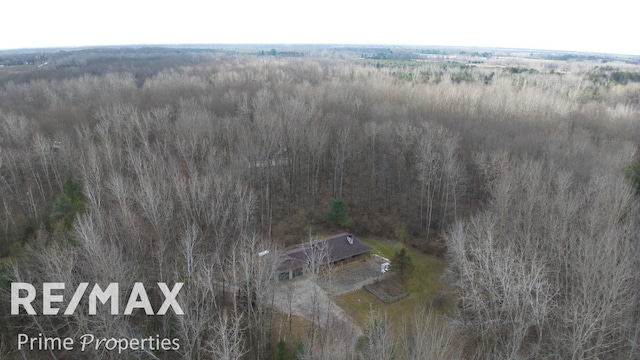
pixel 308 45
pixel 545 26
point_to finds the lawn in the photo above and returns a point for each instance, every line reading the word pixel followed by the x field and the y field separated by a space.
pixel 425 286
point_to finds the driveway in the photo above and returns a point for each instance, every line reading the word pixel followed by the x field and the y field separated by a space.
pixel 312 296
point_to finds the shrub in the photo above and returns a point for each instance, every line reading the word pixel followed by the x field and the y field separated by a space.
pixel 633 175
pixel 400 233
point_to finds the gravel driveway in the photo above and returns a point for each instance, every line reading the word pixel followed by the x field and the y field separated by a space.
pixel 313 298
pixel 351 277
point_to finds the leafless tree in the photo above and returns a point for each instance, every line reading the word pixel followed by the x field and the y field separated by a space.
pixel 228 339
pixel 426 335
pixel 341 150
pixel 254 278
pixel 377 342
pixel 531 270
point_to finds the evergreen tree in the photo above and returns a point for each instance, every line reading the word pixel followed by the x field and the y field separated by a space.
pixel 68 204
pixel 402 264
pixel 338 214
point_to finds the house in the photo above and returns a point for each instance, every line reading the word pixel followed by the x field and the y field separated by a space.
pixel 336 250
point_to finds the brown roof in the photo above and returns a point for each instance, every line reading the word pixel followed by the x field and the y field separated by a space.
pixel 338 248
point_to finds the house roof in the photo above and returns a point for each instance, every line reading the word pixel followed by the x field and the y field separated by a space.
pixel 338 247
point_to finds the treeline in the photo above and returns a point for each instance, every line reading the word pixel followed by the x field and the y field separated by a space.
pixel 608 74
pixel 142 63
pixel 188 173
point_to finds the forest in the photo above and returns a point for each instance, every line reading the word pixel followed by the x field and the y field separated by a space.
pixel 162 165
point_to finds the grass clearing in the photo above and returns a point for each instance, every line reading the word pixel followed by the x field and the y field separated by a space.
pixel 291 329
pixel 425 287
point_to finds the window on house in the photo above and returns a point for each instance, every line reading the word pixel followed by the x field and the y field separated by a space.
pixel 283 276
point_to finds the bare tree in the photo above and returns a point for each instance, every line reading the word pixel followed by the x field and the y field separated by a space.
pixel 541 272
pixel 426 335
pixel 341 150
pixel 504 300
pixel 377 342
pixel 317 261
pixel 228 340
pixel 254 277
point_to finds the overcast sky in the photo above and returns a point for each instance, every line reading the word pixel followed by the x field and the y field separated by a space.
pixel 596 26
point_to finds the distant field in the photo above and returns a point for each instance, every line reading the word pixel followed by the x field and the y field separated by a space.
pixel 423 287
pixel 15 68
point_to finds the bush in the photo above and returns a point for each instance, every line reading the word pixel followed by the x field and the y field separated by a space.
pixel 284 352
pixel 16 249
pixel 633 175
pixel 400 233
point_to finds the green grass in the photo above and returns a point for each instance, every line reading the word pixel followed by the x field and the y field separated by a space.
pixel 425 285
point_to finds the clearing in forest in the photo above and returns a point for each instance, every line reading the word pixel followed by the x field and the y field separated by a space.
pixel 425 288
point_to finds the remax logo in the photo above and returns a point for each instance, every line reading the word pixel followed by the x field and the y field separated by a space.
pixel 23 294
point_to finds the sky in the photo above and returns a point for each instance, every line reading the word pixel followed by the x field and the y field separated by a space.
pixel 589 26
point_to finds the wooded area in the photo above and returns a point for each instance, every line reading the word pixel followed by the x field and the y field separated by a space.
pixel 181 166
